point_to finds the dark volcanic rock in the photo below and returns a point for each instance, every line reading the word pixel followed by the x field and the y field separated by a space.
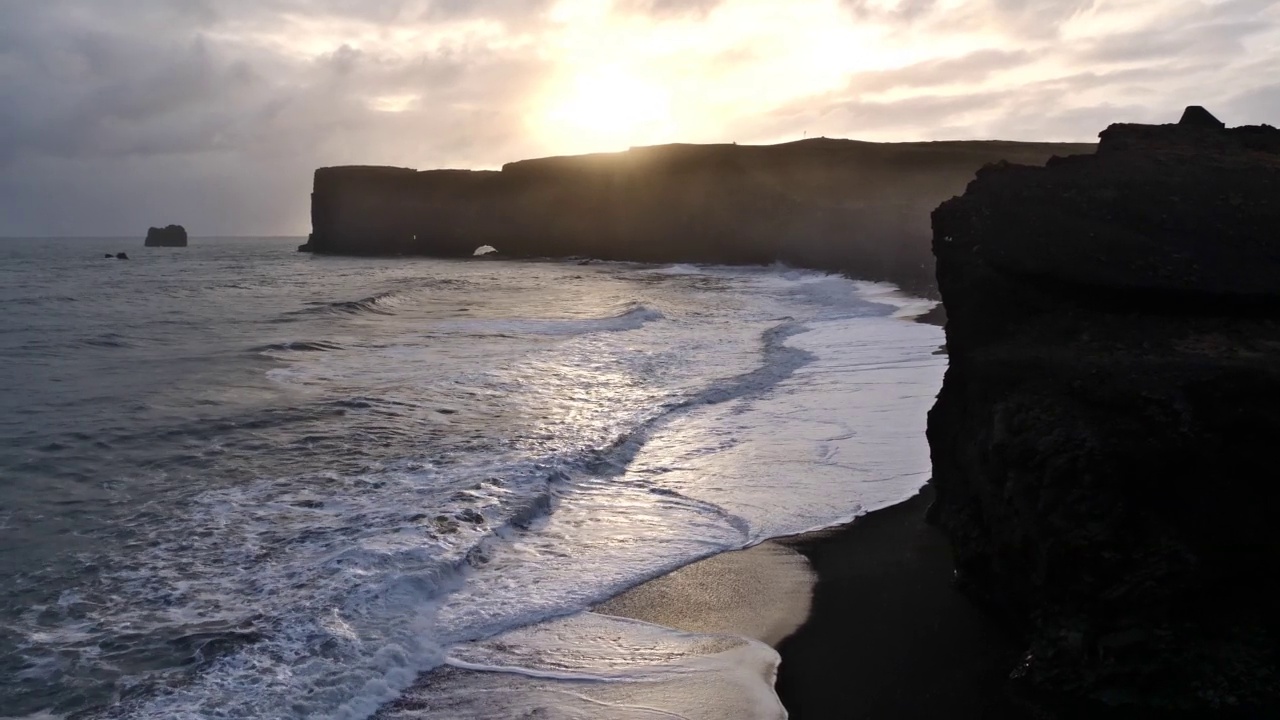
pixel 170 236
pixel 855 207
pixel 1103 444
pixel 122 256
pixel 1196 116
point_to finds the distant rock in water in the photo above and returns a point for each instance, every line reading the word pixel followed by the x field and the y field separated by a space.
pixel 170 236
pixel 109 256
pixel 840 205
pixel 122 256
pixel 1111 405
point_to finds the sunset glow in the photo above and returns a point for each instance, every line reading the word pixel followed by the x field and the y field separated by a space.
pixel 605 109
pixel 289 85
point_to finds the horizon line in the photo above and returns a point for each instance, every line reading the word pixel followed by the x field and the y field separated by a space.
pixel 143 237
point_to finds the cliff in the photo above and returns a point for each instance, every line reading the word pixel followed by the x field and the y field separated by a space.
pixel 839 205
pixel 1103 444
pixel 170 236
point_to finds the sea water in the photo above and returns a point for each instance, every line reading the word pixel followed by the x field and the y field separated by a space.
pixel 237 481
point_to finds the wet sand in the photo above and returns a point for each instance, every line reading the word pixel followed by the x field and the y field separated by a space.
pixel 764 593
pixel 885 636
pixel 888 636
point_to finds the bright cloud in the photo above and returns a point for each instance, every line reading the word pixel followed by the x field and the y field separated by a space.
pixel 116 116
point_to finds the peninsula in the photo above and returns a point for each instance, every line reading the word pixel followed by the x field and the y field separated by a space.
pixel 855 207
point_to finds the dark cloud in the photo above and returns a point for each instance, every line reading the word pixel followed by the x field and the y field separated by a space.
pixel 113 121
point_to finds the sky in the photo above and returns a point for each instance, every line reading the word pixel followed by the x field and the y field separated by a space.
pixel 120 114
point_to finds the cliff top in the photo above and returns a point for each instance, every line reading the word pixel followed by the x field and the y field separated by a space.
pixel 1186 209
pixel 1162 219
pixel 1197 132
pixel 816 150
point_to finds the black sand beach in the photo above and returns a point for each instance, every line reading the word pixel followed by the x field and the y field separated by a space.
pixel 886 636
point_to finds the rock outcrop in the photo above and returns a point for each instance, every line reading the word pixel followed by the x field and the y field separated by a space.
pixel 170 236
pixel 838 205
pixel 1104 442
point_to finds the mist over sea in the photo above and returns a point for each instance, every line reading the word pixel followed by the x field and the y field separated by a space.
pixel 239 481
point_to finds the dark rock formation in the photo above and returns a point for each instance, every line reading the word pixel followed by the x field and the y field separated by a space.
pixel 122 256
pixel 840 205
pixel 170 236
pixel 1196 116
pixel 1103 444
pixel 109 256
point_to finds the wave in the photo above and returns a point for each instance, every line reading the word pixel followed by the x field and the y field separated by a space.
pixel 888 294
pixel 631 316
pixel 39 300
pixel 298 346
pixel 331 587
pixel 381 304
pixel 106 340
pixel 337 572
pixel 680 269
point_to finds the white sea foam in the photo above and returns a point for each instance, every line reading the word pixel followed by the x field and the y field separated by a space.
pixel 908 306
pixel 681 269
pixel 594 666
pixel 631 317
pixel 601 426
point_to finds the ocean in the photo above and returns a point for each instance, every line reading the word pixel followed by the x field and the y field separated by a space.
pixel 238 481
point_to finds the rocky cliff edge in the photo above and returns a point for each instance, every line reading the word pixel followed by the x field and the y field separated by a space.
pixel 1104 442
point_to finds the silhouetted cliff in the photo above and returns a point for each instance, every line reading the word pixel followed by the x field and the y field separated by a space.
pixel 1104 442
pixel 841 205
pixel 170 236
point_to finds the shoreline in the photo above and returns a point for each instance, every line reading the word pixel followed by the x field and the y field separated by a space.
pixel 884 633
pixel 763 592
pixel 889 635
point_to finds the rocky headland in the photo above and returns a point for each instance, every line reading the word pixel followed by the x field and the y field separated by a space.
pixel 1104 442
pixel 841 205
pixel 169 236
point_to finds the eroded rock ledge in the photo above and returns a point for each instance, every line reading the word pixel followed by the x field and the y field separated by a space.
pixel 838 205
pixel 1104 442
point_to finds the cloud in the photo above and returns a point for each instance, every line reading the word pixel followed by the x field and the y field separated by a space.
pixel 1035 18
pixel 964 70
pixel 668 8
pixel 111 114
pixel 116 116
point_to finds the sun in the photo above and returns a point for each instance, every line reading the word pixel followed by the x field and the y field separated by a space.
pixel 606 108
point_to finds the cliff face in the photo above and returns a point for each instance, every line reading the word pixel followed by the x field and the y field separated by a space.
pixel 1103 444
pixel 832 204
pixel 170 236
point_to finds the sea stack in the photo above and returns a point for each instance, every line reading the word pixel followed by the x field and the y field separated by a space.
pixel 170 236
pixel 1112 396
